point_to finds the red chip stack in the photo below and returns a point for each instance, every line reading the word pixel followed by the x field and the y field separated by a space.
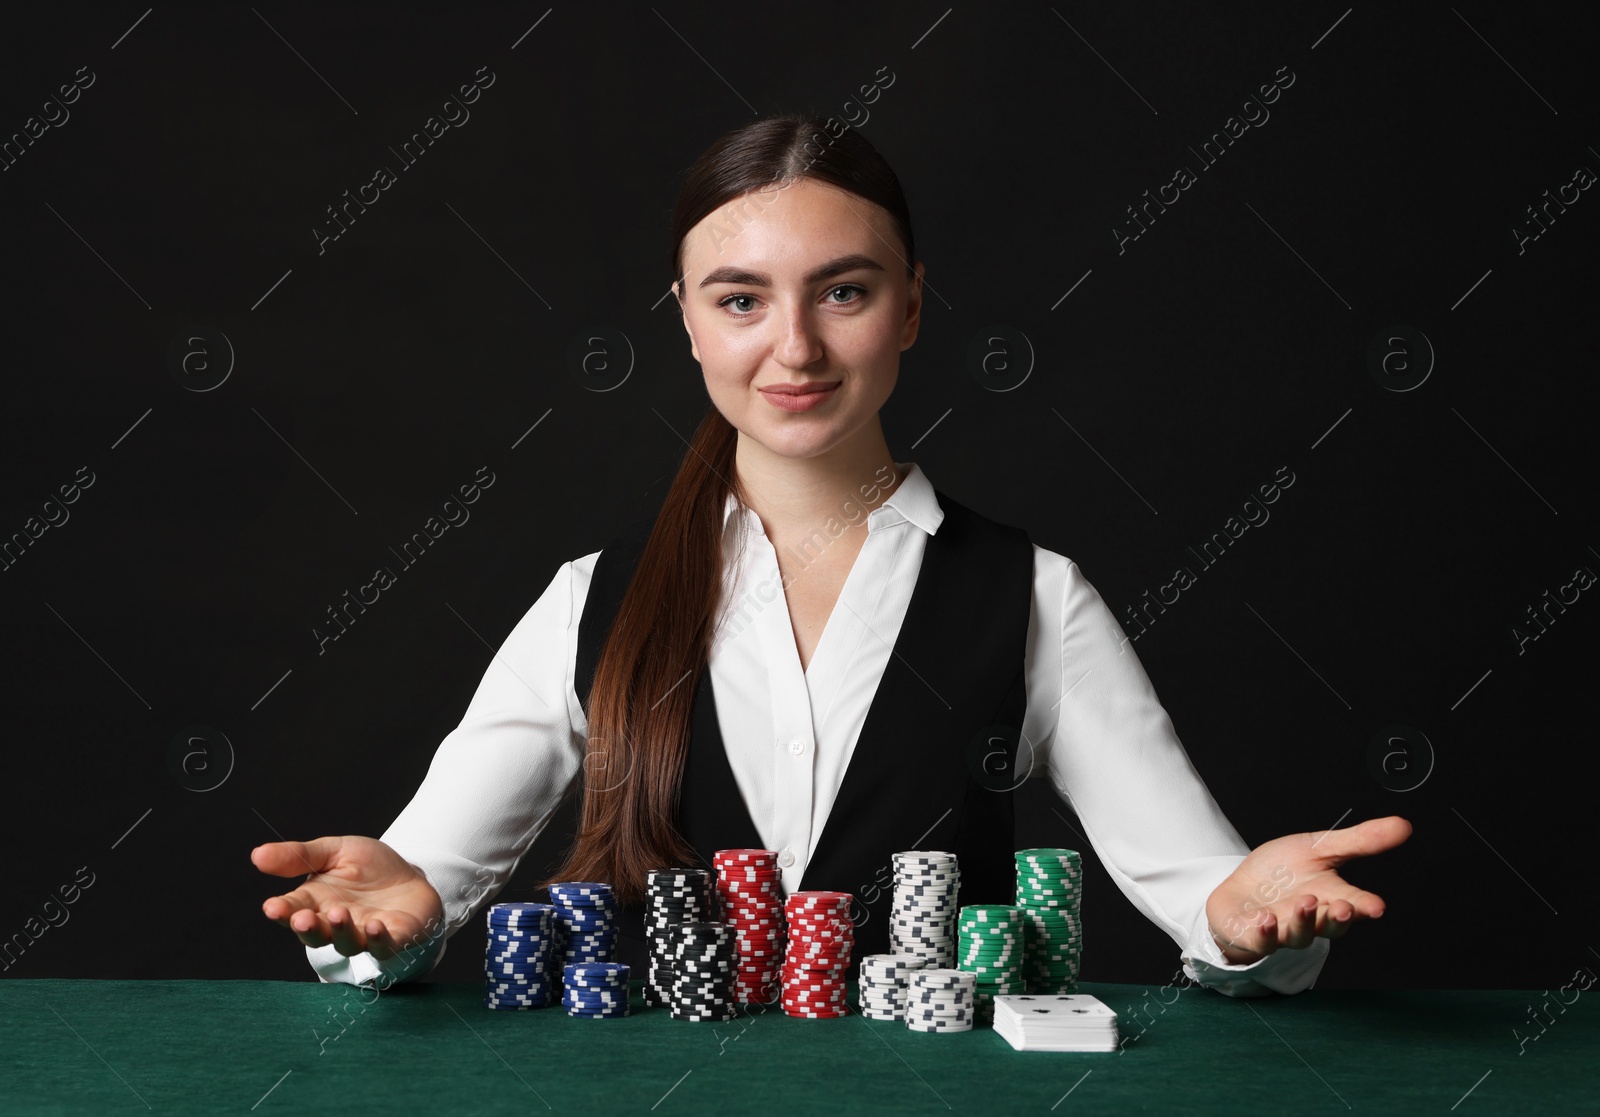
pixel 750 891
pixel 814 965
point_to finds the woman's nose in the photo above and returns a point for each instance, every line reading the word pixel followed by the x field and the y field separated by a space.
pixel 800 343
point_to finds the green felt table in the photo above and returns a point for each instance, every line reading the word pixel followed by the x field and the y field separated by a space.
pixel 81 1046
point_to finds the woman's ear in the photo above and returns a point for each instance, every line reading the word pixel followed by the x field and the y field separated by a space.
pixel 694 350
pixel 908 334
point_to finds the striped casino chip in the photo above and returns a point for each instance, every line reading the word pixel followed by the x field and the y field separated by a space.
pixel 817 954
pixel 749 893
pixel 922 923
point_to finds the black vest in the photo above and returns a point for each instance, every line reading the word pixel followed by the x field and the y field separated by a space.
pixel 933 765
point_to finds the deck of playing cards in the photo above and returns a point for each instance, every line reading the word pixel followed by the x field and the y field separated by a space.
pixel 1055 1022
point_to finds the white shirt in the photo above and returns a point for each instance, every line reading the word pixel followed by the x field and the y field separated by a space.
pixel 1093 726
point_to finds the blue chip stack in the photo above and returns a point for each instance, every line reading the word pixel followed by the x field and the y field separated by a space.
pixel 586 918
pixel 596 990
pixel 516 963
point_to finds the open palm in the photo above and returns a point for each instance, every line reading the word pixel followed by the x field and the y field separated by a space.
pixel 361 895
pixel 1285 893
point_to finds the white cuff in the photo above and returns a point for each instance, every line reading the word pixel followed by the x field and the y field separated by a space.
pixel 1283 971
pixel 362 969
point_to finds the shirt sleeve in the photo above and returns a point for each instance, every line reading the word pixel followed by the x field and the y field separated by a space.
pixel 1101 736
pixel 495 779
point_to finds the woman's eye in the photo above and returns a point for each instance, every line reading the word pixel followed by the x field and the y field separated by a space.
pixel 742 309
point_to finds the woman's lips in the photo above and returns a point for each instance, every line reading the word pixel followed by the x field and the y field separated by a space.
pixel 804 400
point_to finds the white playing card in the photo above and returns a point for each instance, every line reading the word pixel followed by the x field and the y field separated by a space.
pixel 1055 1022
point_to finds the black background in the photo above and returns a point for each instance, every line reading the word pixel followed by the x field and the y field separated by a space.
pixel 373 378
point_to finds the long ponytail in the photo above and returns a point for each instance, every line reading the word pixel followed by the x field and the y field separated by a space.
pixel 641 703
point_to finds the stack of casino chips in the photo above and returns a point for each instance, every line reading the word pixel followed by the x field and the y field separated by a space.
pixel 705 962
pixel 750 894
pixel 585 912
pixel 991 949
pixel 516 959
pixel 939 1000
pixel 821 936
pixel 883 979
pixel 672 896
pixel 595 990
pixel 1050 894
pixel 925 887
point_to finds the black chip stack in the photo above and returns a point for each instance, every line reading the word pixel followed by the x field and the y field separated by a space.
pixel 705 959
pixel 672 897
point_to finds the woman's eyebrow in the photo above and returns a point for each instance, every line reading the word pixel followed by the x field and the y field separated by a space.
pixel 853 262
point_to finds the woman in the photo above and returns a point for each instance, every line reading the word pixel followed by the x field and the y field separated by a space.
pixel 922 660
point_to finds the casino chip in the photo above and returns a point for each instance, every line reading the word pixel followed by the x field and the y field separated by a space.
pixel 595 990
pixel 883 979
pixel 991 948
pixel 926 884
pixel 749 891
pixel 821 936
pixel 1050 895
pixel 516 962
pixel 940 1000
pixel 672 896
pixel 586 915
pixel 705 964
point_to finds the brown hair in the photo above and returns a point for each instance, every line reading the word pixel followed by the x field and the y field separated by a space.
pixel 642 699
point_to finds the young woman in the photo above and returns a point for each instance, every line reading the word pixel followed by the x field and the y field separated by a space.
pixel 812 650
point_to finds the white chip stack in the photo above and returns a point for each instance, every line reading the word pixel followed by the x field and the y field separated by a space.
pixel 883 984
pixel 1062 1022
pixel 940 1000
pixel 926 883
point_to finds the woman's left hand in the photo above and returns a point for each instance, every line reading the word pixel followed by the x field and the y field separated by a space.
pixel 1286 893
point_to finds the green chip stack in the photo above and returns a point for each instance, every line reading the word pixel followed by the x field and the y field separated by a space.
pixel 1049 895
pixel 990 944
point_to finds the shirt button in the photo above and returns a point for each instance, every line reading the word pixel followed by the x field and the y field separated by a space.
pixel 797 746
pixel 786 859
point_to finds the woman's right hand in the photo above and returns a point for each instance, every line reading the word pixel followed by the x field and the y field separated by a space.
pixel 361 895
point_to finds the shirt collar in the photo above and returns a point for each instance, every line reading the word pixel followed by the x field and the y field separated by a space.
pixel 912 501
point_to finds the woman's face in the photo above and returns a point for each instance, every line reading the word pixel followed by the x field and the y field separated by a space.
pixel 803 287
